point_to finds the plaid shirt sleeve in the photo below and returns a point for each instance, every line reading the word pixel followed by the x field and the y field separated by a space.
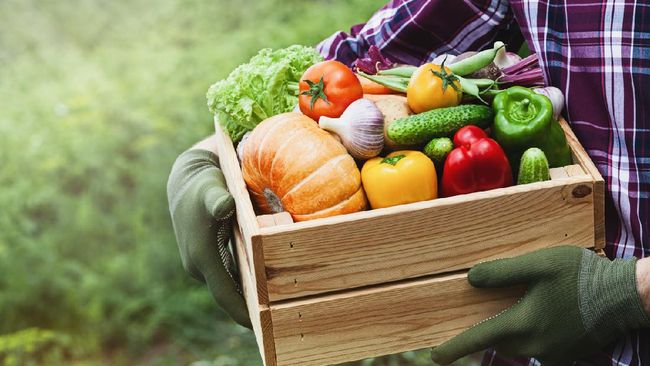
pixel 416 31
pixel 597 53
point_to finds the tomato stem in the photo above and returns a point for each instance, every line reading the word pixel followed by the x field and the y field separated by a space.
pixel 316 90
pixel 447 78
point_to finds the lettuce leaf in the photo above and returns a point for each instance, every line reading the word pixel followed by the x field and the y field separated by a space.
pixel 261 88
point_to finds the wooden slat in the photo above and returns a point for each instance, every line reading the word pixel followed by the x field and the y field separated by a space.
pixel 437 236
pixel 574 170
pixel 558 173
pixel 587 164
pixel 246 218
pixel 282 218
pixel 260 315
pixel 248 247
pixel 383 320
pixel 235 181
pixel 265 220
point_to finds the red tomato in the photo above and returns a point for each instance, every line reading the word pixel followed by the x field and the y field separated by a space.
pixel 327 89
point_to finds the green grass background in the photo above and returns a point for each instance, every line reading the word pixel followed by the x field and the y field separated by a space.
pixel 97 98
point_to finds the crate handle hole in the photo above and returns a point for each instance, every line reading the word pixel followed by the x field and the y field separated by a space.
pixel 291 244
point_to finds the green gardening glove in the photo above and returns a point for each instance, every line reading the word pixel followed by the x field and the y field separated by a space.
pixel 202 209
pixel 576 302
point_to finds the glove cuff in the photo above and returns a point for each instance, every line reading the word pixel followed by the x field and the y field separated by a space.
pixel 610 305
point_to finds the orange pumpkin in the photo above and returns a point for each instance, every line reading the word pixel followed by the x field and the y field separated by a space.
pixel 290 164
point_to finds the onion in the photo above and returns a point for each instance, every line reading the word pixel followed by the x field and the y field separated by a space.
pixel 524 73
pixel 556 97
pixel 529 78
pixel 504 59
pixel 525 64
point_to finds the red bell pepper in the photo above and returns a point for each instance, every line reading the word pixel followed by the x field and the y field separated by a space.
pixel 477 163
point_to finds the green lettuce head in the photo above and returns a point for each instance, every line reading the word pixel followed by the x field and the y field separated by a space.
pixel 265 86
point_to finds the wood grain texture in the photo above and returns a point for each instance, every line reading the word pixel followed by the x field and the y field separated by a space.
pixel 574 170
pixel 235 181
pixel 260 315
pixel 382 320
pixel 265 220
pixel 581 157
pixel 248 248
pixel 424 238
pixel 283 218
pixel 558 173
pixel 246 219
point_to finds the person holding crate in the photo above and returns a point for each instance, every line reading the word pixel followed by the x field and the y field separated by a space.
pixel 578 306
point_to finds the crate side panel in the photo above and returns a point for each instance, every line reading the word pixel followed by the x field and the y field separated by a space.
pixel 386 320
pixel 582 158
pixel 433 237
pixel 246 219
pixel 235 181
pixel 259 314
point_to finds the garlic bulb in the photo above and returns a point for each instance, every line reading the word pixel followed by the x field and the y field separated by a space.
pixel 360 127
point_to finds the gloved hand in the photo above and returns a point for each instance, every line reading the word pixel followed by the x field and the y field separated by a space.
pixel 202 209
pixel 575 303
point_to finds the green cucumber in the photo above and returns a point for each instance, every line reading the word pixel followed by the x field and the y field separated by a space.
pixel 533 167
pixel 438 149
pixel 440 122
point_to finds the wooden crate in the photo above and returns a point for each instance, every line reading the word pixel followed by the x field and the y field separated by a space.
pixel 390 280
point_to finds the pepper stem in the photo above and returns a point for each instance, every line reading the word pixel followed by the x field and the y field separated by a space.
pixel 392 160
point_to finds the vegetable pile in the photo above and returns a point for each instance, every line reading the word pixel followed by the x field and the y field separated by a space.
pixel 383 134
pixel 267 85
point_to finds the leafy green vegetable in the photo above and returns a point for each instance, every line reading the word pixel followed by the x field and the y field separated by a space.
pixel 267 85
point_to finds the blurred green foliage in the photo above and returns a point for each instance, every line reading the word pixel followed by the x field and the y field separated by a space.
pixel 97 98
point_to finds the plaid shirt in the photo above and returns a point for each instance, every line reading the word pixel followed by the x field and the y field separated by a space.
pixel 597 53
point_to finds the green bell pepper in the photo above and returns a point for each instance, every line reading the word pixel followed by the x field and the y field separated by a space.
pixel 524 119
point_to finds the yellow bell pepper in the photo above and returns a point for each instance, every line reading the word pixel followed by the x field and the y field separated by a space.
pixel 401 177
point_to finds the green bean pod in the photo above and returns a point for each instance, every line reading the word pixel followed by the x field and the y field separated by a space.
pixel 475 62
pixel 470 88
pixel 402 71
pixel 392 82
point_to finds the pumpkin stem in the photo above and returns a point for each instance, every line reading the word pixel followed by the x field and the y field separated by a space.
pixel 273 201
